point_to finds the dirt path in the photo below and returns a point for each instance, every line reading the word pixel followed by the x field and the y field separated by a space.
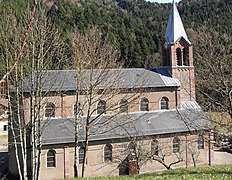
pixel 221 158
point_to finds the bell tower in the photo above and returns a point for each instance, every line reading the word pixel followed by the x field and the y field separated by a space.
pixel 178 55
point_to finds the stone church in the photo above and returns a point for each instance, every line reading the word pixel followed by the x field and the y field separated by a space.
pixel 148 121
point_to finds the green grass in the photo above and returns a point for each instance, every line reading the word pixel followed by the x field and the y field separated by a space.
pixel 221 172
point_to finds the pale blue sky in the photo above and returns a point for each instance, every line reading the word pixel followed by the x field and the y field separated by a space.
pixel 163 1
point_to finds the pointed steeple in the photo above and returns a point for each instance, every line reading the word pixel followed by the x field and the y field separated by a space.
pixel 175 29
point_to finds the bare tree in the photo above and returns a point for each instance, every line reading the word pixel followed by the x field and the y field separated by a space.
pixel 164 149
pixel 213 72
pixel 167 151
pixel 20 53
pixel 98 78
pixel 26 97
pixel 10 45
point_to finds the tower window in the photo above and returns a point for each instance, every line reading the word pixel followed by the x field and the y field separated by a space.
pixel 154 148
pixel 101 107
pixel 178 57
pixel 164 103
pixel 50 110
pixel 108 153
pixel 123 106
pixel 186 56
pixel 51 158
pixel 166 55
pixel 144 105
pixel 176 145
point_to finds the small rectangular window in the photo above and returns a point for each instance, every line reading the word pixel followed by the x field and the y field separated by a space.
pixel 5 128
pixel 81 155
pixel 201 142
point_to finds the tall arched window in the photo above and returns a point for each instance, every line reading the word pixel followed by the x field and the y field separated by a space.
pixel 200 142
pixel 108 153
pixel 164 103
pixel 164 53
pixel 101 107
pixel 50 110
pixel 132 151
pixel 144 104
pixel 123 106
pixel 178 57
pixel 154 148
pixel 81 155
pixel 176 145
pixel 51 158
pixel 186 57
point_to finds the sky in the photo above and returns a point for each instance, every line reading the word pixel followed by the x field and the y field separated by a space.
pixel 163 1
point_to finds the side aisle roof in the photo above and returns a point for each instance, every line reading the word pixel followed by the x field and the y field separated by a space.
pixel 110 127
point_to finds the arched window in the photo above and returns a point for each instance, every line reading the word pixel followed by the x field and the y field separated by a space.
pixel 77 109
pixel 132 150
pixel 166 55
pixel 50 110
pixel 154 148
pixel 108 153
pixel 164 103
pixel 123 106
pixel 131 147
pixel 176 145
pixel 81 155
pixel 200 142
pixel 186 57
pixel 101 107
pixel 178 57
pixel 144 105
pixel 51 158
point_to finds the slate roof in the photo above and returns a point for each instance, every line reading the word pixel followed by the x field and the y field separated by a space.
pixel 58 131
pixel 65 80
pixel 175 29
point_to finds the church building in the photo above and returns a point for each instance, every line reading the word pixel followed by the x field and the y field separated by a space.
pixel 141 120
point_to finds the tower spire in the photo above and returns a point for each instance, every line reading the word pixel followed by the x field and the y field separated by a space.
pixel 175 29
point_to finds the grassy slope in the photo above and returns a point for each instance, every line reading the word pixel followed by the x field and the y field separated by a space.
pixel 221 172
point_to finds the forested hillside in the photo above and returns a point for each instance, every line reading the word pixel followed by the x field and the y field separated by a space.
pixel 137 28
